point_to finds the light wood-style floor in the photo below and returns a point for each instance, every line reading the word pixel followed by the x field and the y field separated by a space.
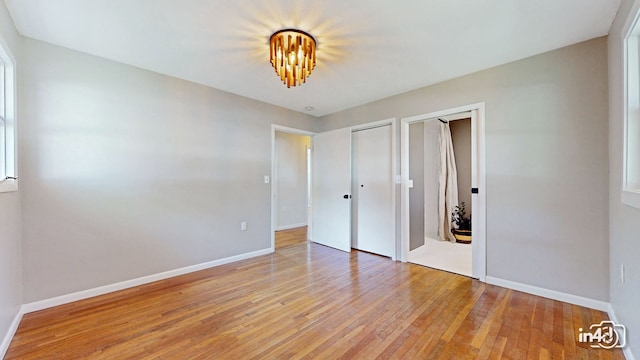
pixel 310 301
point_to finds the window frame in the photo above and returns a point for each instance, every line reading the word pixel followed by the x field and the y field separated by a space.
pixel 8 164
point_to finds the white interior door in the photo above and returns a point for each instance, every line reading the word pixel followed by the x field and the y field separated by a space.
pixel 332 189
pixel 373 214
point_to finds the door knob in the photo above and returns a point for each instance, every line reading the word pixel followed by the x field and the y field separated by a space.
pixel 347 196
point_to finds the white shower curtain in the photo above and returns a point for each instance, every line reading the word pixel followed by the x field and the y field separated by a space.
pixel 448 184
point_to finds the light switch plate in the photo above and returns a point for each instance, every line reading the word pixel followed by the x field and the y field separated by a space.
pixel 266 179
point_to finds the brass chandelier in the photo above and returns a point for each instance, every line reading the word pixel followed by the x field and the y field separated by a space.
pixel 293 55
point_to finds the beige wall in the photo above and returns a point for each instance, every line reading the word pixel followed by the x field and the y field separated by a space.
pixel 10 254
pixel 128 173
pixel 416 194
pixel 291 178
pixel 461 138
pixel 546 146
pixel 623 220
pixel 431 178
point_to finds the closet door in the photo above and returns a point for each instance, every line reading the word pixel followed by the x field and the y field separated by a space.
pixel 332 189
pixel 372 188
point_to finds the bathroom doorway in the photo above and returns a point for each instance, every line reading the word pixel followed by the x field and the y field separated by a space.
pixel 443 193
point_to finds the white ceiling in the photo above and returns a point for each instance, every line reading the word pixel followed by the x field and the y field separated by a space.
pixel 367 49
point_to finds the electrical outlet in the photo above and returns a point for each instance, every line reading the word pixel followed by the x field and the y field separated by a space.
pixel 243 226
pixel 622 273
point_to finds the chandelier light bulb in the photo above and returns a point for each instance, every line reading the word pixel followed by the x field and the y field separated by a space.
pixel 293 55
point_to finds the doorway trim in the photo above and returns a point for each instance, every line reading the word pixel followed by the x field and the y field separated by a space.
pixel 279 128
pixel 478 180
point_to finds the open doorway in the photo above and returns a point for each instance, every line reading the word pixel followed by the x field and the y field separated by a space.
pixel 440 167
pixel 290 186
pixel 435 188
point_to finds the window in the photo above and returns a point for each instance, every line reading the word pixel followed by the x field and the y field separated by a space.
pixel 8 177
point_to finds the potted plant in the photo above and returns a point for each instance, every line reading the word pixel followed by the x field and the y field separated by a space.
pixel 461 228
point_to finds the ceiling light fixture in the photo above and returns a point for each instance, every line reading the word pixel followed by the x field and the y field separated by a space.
pixel 293 55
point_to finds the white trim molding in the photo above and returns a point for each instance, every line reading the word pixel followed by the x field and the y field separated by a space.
pixel 85 294
pixel 9 173
pixel 627 349
pixel 4 346
pixel 630 198
pixel 550 294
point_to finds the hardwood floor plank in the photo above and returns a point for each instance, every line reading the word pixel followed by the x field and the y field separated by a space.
pixel 296 236
pixel 489 329
pixel 308 301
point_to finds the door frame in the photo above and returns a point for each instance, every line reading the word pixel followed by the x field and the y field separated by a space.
pixel 395 179
pixel 478 180
pixel 279 128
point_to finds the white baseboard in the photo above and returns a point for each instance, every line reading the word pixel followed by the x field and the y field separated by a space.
pixel 85 294
pixel 550 294
pixel 627 349
pixel 4 346
pixel 292 226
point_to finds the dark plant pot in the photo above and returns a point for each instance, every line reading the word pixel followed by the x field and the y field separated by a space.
pixel 462 236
